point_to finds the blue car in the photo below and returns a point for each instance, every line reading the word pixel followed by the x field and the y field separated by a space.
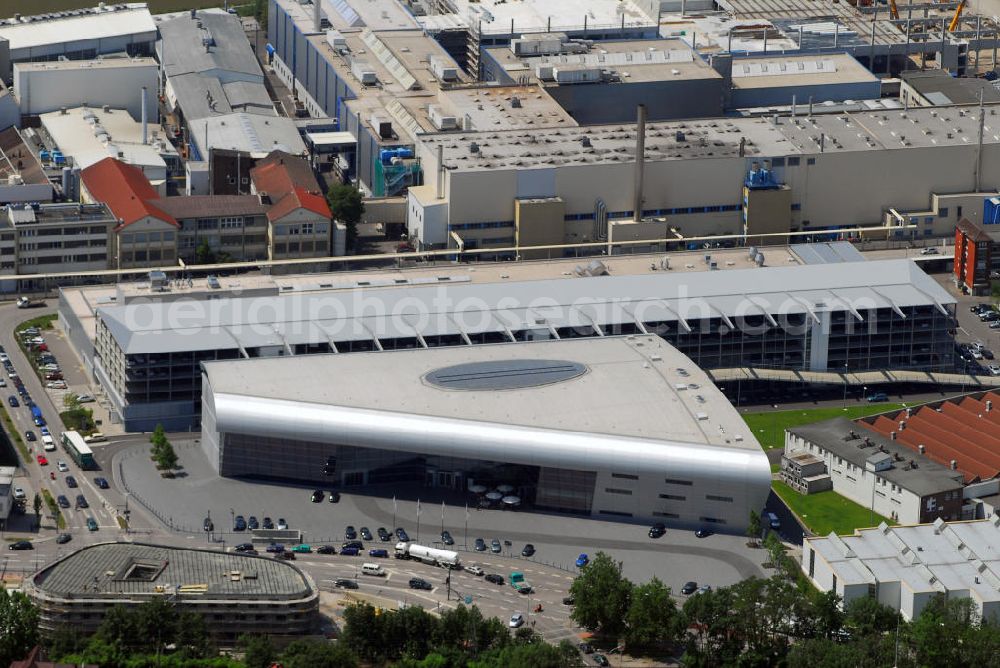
pixel 381 554
pixel 349 552
pixel 582 561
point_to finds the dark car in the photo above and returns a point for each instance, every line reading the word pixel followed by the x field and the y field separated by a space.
pixel 268 523
pixel 63 538
pixel 252 523
pixel 987 353
pixel 495 547
pixel 208 525
pixel 276 548
pixel 81 501
pixel 366 534
pixel 402 535
pixel 71 482
pixel 601 660
pixel 703 533
pixel 350 552
pixel 350 533
pixel 568 600
pixel 356 544
pixel 446 538
pixel 101 482
pixel 383 535
pixel 30 435
pixel 62 501
pixel 26 545
pixel 345 584
pixel 290 556
pixel 657 530
pixel 585 648
pixel 877 396
pixel 243 547
pixel 334 497
pixel 480 545
pixel 239 524
pixel 379 552
pixel 420 583
pixel 689 588
pixel 326 549
pixel 317 496
pixel 494 578
pixel 12 400
pixel 528 551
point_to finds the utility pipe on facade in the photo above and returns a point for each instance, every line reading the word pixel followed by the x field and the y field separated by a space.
pixel 640 159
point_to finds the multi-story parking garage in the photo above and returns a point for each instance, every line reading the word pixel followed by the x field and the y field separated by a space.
pixel 853 316
pixel 614 427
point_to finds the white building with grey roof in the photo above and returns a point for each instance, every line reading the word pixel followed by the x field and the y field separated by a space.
pixel 859 315
pixel 615 428
pixel 234 593
pixel 905 567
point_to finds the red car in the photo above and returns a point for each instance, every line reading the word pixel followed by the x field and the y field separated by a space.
pixel 42 461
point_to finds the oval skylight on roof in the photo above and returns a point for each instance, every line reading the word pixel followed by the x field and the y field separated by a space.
pixel 504 374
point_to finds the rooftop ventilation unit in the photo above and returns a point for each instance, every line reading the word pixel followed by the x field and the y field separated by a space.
pixel 442 69
pixel 440 120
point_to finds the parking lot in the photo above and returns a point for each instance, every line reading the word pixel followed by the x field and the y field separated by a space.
pixel 186 500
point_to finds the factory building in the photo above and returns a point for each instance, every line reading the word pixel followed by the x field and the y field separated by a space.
pixel 214 88
pixel 905 567
pixel 77 34
pixel 977 250
pixel 614 428
pixel 115 82
pixel 83 136
pixel 144 344
pixel 22 178
pixel 234 593
pixel 930 163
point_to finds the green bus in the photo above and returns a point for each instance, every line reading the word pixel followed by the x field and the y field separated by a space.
pixel 78 450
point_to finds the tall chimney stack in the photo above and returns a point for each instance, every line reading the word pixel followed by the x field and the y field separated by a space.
pixel 145 125
pixel 440 174
pixel 640 160
pixel 317 22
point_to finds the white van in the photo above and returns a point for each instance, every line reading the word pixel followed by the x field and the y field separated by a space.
pixel 96 437
pixel 50 445
pixel 373 569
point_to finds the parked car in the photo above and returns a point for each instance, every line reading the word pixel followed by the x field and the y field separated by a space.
pixel 516 621
pixel 253 524
pixel 582 561
pixel 290 556
pixel 350 533
pixel 30 436
pixel 282 524
pixel 240 523
pixel 21 545
pixel 446 538
pixel 383 534
pixel 334 497
pixel 994 370
pixel 704 589
pixel 61 465
pixel 877 396
pixel 62 501
pixel 19 493
pixel 568 600
pixel 345 584
pixel 71 482
pixel 601 660
pixel 274 548
pixel 703 533
pixel 379 553
pixel 326 549
pixel 302 548
pixel 929 251
pixel 81 501
pixel 402 535
pixel 350 551
pixel 366 534
pixel 657 530
pixel 85 398
pixel 480 545
pixel 208 525
pixel 317 496
pixel 528 551
pixel 689 588
pixel 420 583
pixel 494 578
pixel 495 546
pixel 268 523
pixel 355 544
pixel 243 547
pixel 474 570
pixel 63 538
pixel 585 648
pixel 101 482
pixel 12 400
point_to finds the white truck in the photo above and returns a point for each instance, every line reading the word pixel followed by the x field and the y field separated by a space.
pixel 428 555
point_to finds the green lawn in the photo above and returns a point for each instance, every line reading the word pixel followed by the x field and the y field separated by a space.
pixel 828 511
pixel 769 428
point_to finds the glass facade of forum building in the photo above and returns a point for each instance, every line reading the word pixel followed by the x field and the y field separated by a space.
pixel 613 427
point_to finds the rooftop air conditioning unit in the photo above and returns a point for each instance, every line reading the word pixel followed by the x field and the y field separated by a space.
pixel 383 126
pixel 364 72
pixel 440 120
pixel 443 70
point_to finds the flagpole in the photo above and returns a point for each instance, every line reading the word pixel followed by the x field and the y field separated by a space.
pixel 418 520
pixel 465 536
pixel 442 516
pixel 393 512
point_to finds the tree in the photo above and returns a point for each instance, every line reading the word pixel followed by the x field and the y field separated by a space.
pixel 203 253
pixel 753 528
pixel 166 459
pixel 192 639
pixel 943 630
pixel 602 596
pixel 652 617
pixel 258 650
pixel 313 653
pixel 18 626
pixel 70 401
pixel 36 503
pixel 347 206
pixel 866 616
